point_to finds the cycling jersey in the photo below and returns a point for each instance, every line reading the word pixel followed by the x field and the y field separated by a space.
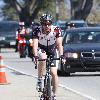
pixel 51 36
pixel 42 39
pixel 21 33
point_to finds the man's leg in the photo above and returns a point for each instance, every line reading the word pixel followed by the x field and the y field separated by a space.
pixel 41 64
pixel 41 67
pixel 54 79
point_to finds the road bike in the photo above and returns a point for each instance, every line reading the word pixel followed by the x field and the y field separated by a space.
pixel 47 86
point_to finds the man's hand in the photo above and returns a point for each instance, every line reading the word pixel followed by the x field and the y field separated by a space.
pixel 63 59
pixel 35 59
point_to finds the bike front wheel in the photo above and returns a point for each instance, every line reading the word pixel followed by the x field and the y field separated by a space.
pixel 48 87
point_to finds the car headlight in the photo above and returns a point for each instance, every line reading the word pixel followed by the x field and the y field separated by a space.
pixel 71 55
pixel 2 38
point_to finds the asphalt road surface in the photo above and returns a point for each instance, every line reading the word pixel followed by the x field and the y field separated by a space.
pixel 84 83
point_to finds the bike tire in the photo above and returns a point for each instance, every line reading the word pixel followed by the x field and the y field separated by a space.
pixel 48 87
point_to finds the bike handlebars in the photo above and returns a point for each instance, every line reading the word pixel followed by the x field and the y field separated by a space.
pixel 51 59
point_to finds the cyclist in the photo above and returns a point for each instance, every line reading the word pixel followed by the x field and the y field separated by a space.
pixel 21 26
pixel 46 31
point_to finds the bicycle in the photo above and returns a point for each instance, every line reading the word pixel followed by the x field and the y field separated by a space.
pixel 47 88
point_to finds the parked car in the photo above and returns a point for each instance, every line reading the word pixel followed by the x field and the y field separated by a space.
pixel 81 50
pixel 77 23
pixel 8 34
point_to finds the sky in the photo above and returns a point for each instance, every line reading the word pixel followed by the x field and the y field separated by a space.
pixel 1 5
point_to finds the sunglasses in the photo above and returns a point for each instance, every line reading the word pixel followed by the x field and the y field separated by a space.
pixel 46 24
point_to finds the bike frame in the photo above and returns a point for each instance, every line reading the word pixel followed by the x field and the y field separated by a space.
pixel 47 90
pixel 46 93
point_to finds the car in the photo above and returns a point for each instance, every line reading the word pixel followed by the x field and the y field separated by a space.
pixel 77 23
pixel 8 34
pixel 81 50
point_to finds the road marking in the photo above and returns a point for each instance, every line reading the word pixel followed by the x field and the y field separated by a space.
pixel 60 85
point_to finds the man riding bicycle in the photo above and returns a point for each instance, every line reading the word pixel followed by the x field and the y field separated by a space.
pixel 46 31
pixel 21 26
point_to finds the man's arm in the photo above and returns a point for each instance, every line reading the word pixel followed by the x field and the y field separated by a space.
pixel 35 47
pixel 35 40
pixel 59 45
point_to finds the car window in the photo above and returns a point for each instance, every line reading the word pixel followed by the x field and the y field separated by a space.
pixel 97 37
pixel 73 38
pixel 8 27
pixel 82 37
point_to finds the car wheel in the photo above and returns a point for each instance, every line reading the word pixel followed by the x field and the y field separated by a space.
pixel 62 72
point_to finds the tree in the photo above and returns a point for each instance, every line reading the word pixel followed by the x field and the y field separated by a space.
pixel 27 10
pixel 80 9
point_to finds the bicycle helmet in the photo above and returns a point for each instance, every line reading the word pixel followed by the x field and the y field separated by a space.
pixel 46 18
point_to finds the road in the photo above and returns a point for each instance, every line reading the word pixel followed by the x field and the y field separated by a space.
pixel 87 84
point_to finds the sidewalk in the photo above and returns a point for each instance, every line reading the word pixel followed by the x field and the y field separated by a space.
pixel 22 87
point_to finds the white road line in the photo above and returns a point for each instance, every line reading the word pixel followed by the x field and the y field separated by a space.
pixel 60 85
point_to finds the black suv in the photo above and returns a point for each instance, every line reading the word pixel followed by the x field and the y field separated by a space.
pixel 81 50
pixel 8 34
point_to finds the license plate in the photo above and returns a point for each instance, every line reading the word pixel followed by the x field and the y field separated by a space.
pixel 12 43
